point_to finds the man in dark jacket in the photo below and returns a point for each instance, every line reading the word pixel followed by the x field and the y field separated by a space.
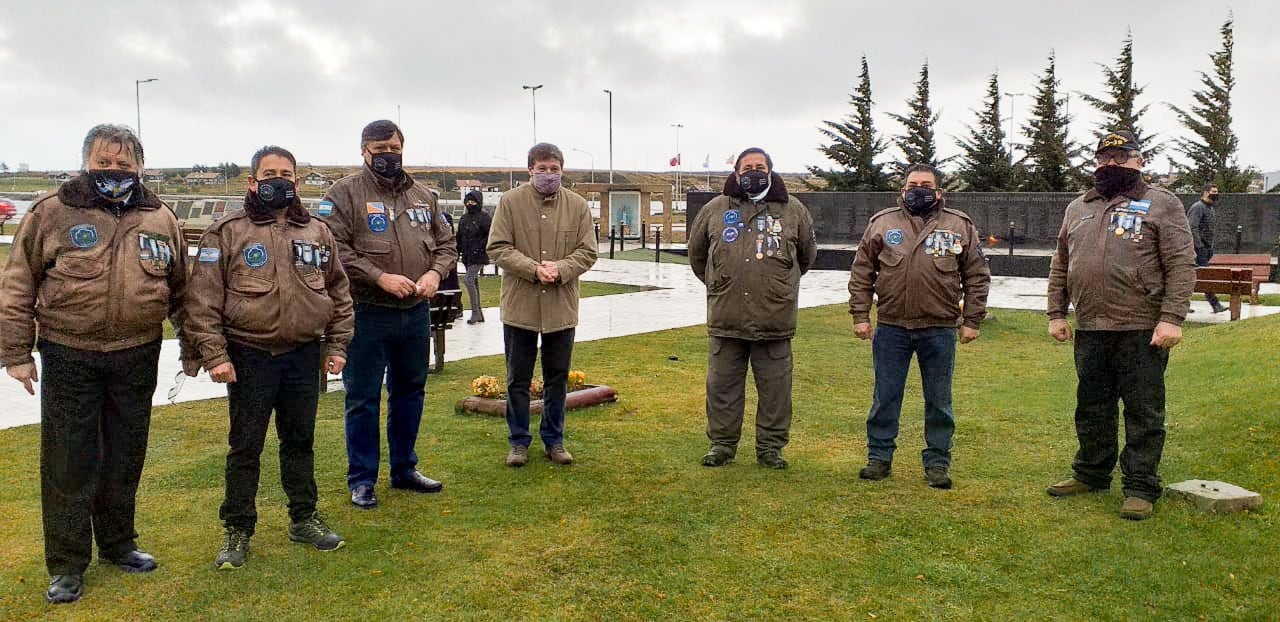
pixel 1201 217
pixel 750 246
pixel 473 235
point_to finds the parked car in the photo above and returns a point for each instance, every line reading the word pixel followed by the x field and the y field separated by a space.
pixel 7 212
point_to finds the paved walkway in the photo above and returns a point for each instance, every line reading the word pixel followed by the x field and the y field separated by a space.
pixel 680 302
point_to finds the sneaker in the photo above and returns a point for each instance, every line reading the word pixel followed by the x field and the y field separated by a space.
pixel 313 531
pixel 64 588
pixel 771 459
pixel 1136 509
pixel 1069 487
pixel 876 470
pixel 235 549
pixel 1218 308
pixel 937 477
pixel 559 455
pixel 518 456
pixel 717 456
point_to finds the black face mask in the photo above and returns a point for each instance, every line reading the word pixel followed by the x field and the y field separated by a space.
pixel 753 182
pixel 114 185
pixel 920 200
pixel 276 193
pixel 385 164
pixel 1213 198
pixel 1112 180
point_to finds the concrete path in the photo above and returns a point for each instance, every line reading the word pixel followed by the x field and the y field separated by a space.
pixel 680 302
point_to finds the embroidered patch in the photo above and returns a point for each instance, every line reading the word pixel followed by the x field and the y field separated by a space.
pixel 324 208
pixel 375 208
pixel 84 236
pixel 210 255
pixel 377 223
pixel 893 237
pixel 729 235
pixel 732 217
pixel 255 255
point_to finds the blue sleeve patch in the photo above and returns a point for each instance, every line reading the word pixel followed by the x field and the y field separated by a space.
pixel 324 208
pixel 210 255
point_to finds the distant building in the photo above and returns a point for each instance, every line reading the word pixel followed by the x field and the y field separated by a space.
pixel 315 178
pixel 204 179
pixel 60 176
pixel 152 176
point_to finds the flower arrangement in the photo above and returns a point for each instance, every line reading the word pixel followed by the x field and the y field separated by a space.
pixel 490 387
pixel 486 386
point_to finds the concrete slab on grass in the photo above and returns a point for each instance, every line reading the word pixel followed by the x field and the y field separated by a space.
pixel 1214 496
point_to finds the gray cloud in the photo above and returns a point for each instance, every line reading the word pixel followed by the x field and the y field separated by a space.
pixel 236 75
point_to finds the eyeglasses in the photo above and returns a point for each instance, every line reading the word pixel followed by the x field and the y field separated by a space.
pixel 1119 157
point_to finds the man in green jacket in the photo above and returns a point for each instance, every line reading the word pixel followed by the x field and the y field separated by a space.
pixel 543 238
pixel 750 246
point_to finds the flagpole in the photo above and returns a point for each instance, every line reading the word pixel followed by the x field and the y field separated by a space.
pixel 679 162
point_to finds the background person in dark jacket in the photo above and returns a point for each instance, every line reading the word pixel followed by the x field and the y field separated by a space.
pixel 473 235
pixel 1201 217
pixel 750 245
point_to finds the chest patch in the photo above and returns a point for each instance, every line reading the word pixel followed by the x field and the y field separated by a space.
pixel 729 235
pixel 377 222
pixel 893 237
pixel 255 255
pixel 84 236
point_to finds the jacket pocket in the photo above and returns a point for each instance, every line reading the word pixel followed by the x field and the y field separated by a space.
pixel 246 301
pixel 566 242
pixel 947 263
pixel 779 349
pixel 151 299
pixel 314 280
pixel 372 246
pixel 74 295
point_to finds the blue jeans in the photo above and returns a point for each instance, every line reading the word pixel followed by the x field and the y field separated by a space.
pixel 393 344
pixel 891 350
pixel 521 347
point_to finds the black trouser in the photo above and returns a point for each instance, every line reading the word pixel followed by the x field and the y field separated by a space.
pixel 522 351
pixel 1203 255
pixel 770 361
pixel 289 384
pixel 1114 366
pixel 95 412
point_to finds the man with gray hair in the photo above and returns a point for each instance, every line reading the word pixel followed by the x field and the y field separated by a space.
pixel 105 259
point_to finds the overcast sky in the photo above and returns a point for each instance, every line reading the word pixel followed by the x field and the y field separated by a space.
pixel 236 75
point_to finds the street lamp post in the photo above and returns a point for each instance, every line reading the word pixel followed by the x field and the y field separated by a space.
pixel 137 100
pixel 593 162
pixel 533 92
pixel 1012 99
pixel 679 163
pixel 610 134
pixel 510 172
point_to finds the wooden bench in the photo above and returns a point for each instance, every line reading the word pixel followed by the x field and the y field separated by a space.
pixel 1260 264
pixel 1233 282
pixel 446 308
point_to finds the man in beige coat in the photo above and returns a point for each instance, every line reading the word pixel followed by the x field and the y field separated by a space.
pixel 543 238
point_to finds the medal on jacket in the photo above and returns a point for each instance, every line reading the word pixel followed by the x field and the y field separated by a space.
pixel 759 247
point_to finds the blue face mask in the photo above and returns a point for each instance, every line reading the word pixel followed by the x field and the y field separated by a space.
pixel 114 185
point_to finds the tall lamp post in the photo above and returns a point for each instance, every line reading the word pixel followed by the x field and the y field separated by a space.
pixel 679 163
pixel 510 172
pixel 533 91
pixel 610 134
pixel 593 162
pixel 1012 99
pixel 137 100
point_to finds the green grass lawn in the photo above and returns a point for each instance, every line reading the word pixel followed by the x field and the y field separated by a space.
pixel 491 289
pixel 1266 300
pixel 645 254
pixel 4 254
pixel 636 529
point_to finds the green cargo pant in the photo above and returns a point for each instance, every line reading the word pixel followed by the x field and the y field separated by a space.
pixel 770 362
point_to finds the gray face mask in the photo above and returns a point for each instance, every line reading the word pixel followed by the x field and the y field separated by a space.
pixel 546 183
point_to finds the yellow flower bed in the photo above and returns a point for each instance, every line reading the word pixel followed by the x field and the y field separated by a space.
pixel 488 386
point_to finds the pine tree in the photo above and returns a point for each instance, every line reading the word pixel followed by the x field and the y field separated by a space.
pixel 1049 151
pixel 1212 154
pixel 1119 107
pixel 985 164
pixel 855 145
pixel 918 145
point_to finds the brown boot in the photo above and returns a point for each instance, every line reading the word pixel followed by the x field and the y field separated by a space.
pixel 1136 509
pixel 518 455
pixel 558 454
pixel 1069 487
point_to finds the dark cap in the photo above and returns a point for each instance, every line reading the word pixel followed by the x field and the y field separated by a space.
pixel 1122 139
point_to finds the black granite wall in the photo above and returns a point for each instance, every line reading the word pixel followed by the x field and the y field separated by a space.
pixel 840 217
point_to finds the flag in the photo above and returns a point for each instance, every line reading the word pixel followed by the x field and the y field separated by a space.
pixel 706 162
pixel 676 160
pixel 729 160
